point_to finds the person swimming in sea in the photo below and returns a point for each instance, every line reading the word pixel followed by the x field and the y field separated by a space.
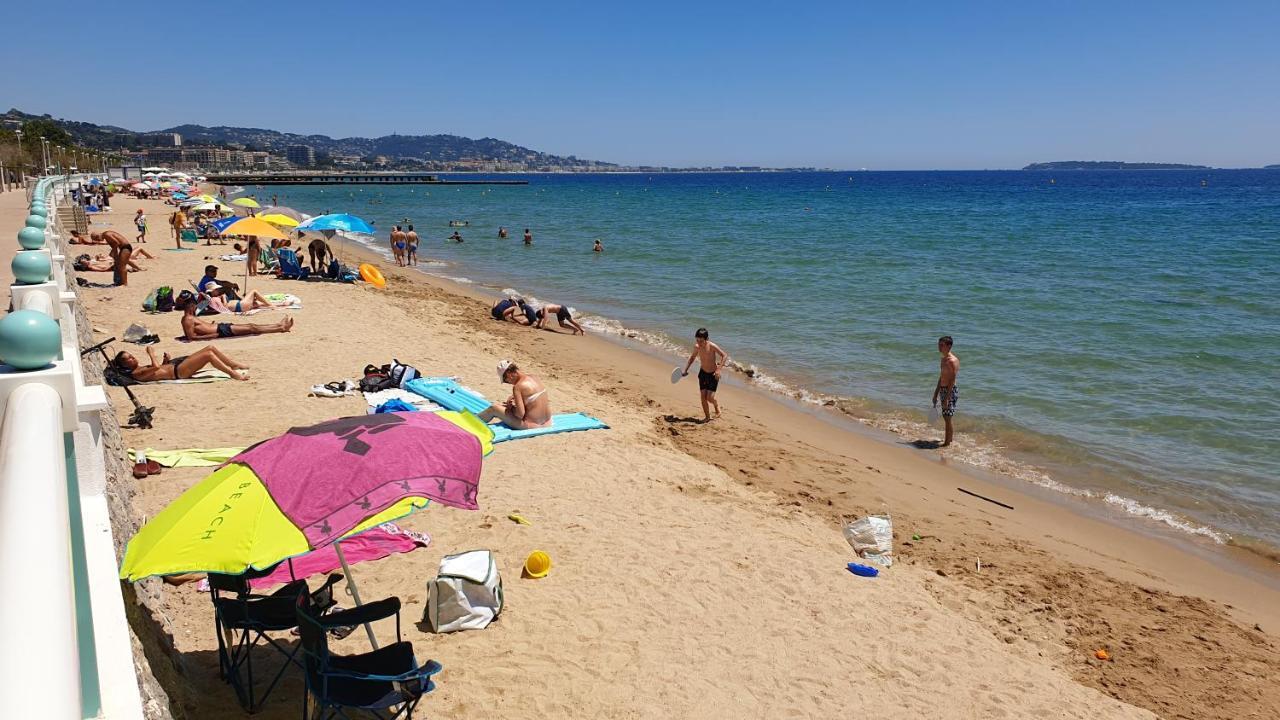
pixel 502 233
pixel 599 246
pixel 456 237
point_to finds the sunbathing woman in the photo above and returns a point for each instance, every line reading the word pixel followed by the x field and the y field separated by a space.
pixel 179 368
pixel 528 406
pixel 100 263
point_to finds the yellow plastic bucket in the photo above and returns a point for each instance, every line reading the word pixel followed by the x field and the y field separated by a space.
pixel 537 565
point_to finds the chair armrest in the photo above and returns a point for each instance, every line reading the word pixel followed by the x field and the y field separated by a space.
pixel 322 597
pixel 289 590
pixel 365 613
pixel 419 673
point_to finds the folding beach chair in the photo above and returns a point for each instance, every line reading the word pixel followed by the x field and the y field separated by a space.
pixel 290 268
pixel 242 620
pixel 386 683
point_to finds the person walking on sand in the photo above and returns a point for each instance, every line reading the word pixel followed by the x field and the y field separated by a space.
pixel 528 237
pixel 946 390
pixel 398 245
pixel 140 222
pixel 711 360
pixel 411 247
pixel 193 328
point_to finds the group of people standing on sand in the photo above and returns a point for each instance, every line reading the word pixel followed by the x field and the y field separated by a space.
pixel 517 310
pixel 404 246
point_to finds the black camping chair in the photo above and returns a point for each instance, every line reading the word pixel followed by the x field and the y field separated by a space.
pixel 242 620
pixel 386 683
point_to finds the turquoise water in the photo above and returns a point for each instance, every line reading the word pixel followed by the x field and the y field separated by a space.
pixel 1115 328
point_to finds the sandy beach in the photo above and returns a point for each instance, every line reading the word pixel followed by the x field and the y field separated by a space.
pixel 699 568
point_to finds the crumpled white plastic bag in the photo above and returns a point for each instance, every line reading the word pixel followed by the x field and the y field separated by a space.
pixel 871 538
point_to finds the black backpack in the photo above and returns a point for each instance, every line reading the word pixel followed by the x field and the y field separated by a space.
pixel 376 378
pixel 335 269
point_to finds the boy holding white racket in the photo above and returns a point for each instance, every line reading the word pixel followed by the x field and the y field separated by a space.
pixel 711 361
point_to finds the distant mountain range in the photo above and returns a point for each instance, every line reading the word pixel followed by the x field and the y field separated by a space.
pixel 441 148
pixel 1104 165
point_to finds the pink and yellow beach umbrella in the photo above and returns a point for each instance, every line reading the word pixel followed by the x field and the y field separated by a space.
pixel 307 489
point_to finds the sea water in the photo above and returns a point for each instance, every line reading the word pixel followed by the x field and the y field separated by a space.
pixel 1115 329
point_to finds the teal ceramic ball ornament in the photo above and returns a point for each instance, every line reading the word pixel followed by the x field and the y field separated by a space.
pixel 40 210
pixel 37 221
pixel 29 339
pixel 31 238
pixel 30 267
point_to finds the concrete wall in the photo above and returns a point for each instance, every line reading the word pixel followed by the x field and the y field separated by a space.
pixel 157 663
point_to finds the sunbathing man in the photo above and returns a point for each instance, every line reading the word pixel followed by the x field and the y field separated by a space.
pixel 563 316
pixel 179 368
pixel 93 239
pixel 510 310
pixel 193 328
pixel 528 407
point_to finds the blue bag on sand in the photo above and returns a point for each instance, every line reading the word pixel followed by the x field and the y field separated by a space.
pixel 395 405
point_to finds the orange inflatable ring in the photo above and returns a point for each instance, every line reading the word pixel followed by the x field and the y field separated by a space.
pixel 371 275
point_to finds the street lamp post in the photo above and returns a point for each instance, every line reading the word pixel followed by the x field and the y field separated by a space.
pixel 18 132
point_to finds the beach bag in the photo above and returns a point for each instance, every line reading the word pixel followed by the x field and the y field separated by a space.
pixel 872 538
pixel 466 594
pixel 164 299
pixel 149 302
pixel 375 379
pixel 335 269
pixel 401 373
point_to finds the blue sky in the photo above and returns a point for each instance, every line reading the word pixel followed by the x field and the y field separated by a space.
pixel 847 84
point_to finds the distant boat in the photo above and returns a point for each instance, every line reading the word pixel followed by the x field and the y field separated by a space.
pixel 459 223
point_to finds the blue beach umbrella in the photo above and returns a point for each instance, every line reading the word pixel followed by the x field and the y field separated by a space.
pixel 221 224
pixel 337 223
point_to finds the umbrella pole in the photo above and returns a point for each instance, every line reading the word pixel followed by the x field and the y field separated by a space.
pixel 355 592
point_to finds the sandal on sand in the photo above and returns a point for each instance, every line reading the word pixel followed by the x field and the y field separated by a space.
pixel 153 467
pixel 140 470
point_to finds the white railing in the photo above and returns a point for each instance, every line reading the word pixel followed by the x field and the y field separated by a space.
pixel 66 651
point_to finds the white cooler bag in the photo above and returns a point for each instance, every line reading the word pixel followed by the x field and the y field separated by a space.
pixel 466 594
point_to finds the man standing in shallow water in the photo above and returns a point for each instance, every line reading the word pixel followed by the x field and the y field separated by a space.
pixel 946 388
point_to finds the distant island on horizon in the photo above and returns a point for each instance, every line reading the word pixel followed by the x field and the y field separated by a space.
pixel 1110 165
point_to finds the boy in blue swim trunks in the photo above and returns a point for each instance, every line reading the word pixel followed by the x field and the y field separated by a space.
pixel 946 390
pixel 711 361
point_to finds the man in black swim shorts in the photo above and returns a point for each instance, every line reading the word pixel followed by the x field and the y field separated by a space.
pixel 563 317
pixel 711 361
pixel 193 328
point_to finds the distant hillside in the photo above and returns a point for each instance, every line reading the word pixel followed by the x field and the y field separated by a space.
pixel 423 147
pixel 1271 167
pixel 1096 165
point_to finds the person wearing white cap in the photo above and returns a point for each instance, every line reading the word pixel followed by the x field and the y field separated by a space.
pixel 528 406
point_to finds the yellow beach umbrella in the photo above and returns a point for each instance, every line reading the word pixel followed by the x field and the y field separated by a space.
pixel 246 202
pixel 233 507
pixel 254 226
pixel 278 219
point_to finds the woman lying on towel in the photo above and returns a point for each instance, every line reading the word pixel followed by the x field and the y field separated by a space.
pixel 179 368
pixel 528 407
